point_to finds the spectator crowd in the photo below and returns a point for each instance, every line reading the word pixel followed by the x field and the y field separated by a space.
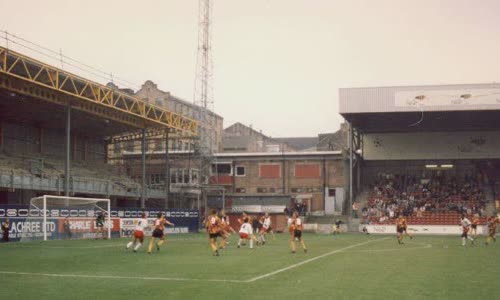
pixel 409 195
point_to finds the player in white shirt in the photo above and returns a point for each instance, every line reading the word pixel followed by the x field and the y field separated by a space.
pixel 466 224
pixel 140 227
pixel 266 228
pixel 246 233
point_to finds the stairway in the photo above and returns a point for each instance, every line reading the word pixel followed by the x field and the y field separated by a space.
pixel 490 208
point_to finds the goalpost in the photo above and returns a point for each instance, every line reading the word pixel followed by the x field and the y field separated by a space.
pixel 77 210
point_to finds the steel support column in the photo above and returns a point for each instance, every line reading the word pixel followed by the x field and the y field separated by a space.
pixel 351 144
pixel 224 199
pixel 67 163
pixel 1 134
pixel 143 164
pixel 358 174
pixel 167 169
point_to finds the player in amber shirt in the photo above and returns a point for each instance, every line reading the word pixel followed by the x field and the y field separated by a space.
pixel 242 218
pixel 214 229
pixel 400 229
pixel 493 221
pixel 295 229
pixel 158 233
pixel 405 228
pixel 475 223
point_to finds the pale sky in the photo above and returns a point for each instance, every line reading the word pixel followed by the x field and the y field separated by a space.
pixel 278 63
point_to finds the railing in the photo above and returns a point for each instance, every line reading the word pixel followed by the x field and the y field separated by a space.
pixel 15 180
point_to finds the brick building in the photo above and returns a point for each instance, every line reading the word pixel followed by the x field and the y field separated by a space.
pixel 256 180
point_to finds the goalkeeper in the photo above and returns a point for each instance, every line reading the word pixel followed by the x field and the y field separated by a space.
pixel 99 224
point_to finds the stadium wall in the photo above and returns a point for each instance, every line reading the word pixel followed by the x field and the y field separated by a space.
pixel 26 222
pixel 420 229
pixel 431 145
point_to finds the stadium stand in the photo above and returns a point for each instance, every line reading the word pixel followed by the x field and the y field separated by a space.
pixel 435 199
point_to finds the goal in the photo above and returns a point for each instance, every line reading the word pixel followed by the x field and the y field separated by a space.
pixel 59 217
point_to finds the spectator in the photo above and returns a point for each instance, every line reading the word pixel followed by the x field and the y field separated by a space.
pixel 5 230
pixel 355 207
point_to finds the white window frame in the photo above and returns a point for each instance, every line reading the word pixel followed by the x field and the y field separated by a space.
pixel 236 170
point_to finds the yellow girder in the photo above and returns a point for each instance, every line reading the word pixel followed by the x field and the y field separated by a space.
pixel 28 76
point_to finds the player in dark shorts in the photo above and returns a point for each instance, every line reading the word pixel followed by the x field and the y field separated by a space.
pixel 99 225
pixel 256 225
pixel 493 221
pixel 336 228
pixel 405 227
pixel 475 222
pixel 158 233
pixel 400 229
pixel 214 230
pixel 296 228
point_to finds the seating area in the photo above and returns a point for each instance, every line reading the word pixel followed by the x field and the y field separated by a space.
pixel 435 199
pixel 47 166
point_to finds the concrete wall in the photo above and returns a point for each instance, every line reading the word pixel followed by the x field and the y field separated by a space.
pixel 432 145
pixel 28 140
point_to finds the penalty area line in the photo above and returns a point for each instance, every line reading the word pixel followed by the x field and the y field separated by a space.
pixel 118 277
pixel 311 260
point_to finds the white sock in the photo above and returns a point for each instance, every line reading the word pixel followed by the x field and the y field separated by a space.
pixel 239 242
pixel 470 238
pixel 137 246
pixel 251 244
pixel 129 244
pixel 263 238
pixel 463 241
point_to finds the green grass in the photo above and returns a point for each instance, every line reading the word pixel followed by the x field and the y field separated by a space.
pixel 379 268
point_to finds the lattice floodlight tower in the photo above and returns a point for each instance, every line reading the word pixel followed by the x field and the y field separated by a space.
pixel 203 90
pixel 47 214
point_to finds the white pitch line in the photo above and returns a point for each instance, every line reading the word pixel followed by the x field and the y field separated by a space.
pixel 69 247
pixel 118 277
pixel 310 260
pixel 395 249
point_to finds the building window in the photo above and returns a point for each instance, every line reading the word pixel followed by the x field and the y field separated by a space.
pixel 129 146
pixel 173 176
pixel 296 190
pixel 272 190
pixel 270 171
pixel 240 171
pixel 307 171
pixel 194 176
pixel 241 190
pixel 261 190
pixel 221 169
pixel 117 148
pixel 331 192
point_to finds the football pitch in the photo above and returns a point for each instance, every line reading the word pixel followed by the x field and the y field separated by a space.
pixel 349 266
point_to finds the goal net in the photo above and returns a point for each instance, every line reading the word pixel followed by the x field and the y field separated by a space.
pixel 60 217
